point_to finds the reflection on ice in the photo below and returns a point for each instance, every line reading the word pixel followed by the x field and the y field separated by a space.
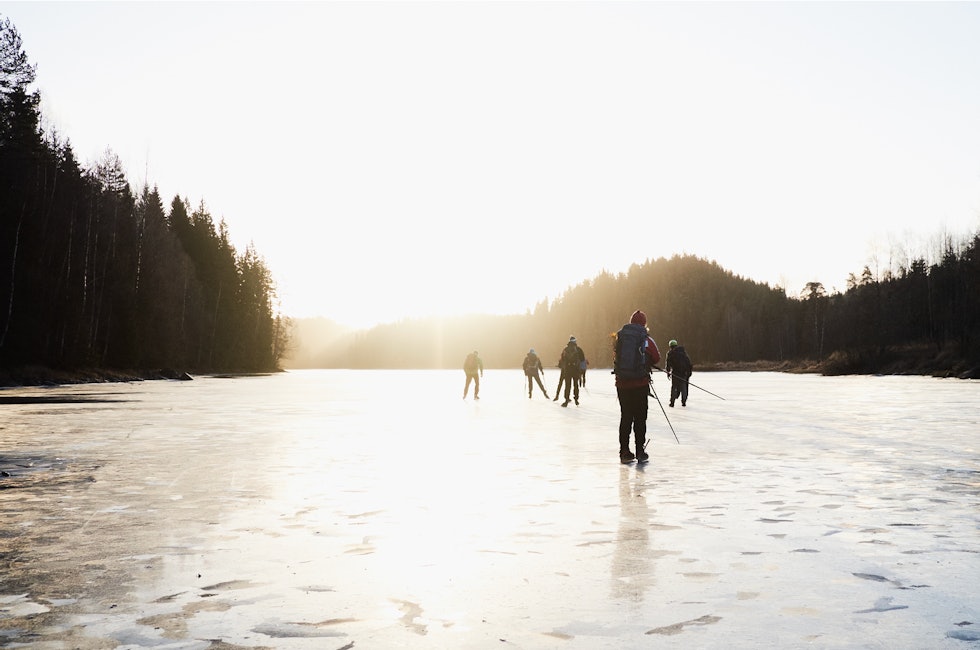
pixel 347 509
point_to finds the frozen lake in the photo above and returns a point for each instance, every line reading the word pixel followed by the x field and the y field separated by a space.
pixel 377 509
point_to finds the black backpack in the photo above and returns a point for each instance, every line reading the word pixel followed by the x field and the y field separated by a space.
pixel 530 362
pixel 680 362
pixel 630 360
pixel 572 359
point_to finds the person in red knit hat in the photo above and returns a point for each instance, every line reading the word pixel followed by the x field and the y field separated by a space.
pixel 634 357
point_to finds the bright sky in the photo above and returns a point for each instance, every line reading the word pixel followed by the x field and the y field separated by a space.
pixel 403 159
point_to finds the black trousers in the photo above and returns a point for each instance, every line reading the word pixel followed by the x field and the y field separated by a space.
pixel 561 380
pixel 632 415
pixel 678 388
pixel 530 384
pixel 571 382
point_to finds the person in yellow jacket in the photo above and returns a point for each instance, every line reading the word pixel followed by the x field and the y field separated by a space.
pixel 473 367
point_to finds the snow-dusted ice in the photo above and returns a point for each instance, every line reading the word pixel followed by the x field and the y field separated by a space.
pixel 377 509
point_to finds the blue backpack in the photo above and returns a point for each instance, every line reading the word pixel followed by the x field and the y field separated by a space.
pixel 630 360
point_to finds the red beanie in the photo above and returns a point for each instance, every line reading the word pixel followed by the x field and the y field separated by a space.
pixel 639 318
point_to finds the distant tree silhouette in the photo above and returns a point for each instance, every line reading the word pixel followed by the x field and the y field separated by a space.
pixel 720 317
pixel 92 276
pixel 815 299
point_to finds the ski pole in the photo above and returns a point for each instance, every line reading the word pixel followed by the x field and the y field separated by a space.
pixel 653 392
pixel 695 385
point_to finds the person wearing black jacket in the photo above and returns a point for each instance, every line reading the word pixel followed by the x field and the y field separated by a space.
pixel 532 366
pixel 679 369
pixel 571 365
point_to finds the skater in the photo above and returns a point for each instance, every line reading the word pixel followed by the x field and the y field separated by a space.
pixel 561 380
pixel 634 356
pixel 532 366
pixel 571 358
pixel 679 369
pixel 473 367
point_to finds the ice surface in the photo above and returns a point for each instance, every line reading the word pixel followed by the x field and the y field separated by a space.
pixel 370 509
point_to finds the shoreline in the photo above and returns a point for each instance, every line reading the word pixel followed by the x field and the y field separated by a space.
pixel 912 362
pixel 42 376
pixel 38 376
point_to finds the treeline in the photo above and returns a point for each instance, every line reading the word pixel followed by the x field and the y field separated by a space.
pixel 919 318
pixel 930 307
pixel 93 276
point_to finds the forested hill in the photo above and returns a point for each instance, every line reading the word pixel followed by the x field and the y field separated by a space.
pixel 924 318
pixel 95 277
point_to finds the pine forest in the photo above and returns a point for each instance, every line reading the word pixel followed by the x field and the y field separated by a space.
pixel 93 276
